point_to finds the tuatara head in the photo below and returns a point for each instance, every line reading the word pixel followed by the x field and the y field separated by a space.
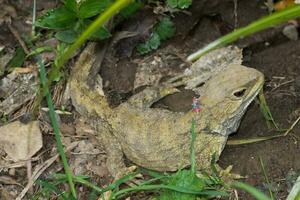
pixel 227 95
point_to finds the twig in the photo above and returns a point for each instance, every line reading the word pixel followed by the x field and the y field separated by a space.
pixel 282 84
pixel 292 126
pixel 40 169
pixel 17 36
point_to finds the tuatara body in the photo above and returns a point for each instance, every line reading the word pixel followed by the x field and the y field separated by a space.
pixel 156 138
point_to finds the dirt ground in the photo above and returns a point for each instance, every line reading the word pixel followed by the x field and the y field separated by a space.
pixel 270 52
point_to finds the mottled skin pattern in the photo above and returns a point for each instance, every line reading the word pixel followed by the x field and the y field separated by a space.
pixel 159 139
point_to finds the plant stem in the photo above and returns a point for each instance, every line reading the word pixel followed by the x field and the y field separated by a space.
pixel 193 157
pixel 33 19
pixel 55 126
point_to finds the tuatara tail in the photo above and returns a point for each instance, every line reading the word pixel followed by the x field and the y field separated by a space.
pixel 86 100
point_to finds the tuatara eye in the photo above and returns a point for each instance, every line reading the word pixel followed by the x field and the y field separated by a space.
pixel 240 93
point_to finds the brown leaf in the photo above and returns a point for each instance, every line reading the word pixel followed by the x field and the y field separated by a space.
pixel 21 141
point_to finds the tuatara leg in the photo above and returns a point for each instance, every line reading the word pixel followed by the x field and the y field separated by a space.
pixel 115 160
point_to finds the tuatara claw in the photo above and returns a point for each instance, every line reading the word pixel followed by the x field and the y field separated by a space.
pixel 125 171
pixel 227 176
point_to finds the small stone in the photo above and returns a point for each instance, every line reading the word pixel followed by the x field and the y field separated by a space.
pixel 291 32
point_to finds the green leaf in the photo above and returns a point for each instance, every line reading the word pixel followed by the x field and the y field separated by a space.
pixel 68 36
pixel 131 9
pixel 17 60
pixel 151 44
pixel 172 3
pixel 154 41
pixel 58 18
pixel 39 50
pixel 71 5
pixel 165 29
pixel 90 8
pixel 100 34
pixel 143 48
pixel 183 4
pixel 184 179
pixel 188 179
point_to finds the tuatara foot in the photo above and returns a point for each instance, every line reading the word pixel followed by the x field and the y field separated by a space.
pixel 125 171
pixel 136 180
pixel 227 176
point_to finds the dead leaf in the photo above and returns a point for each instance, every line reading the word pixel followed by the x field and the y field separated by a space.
pixel 153 68
pixel 21 141
pixel 7 11
pixel 16 89
pixel 4 59
pixel 281 5
pixel 24 70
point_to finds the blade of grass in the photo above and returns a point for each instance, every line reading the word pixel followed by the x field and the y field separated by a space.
pixel 256 26
pixel 295 192
pixel 33 18
pixel 55 126
pixel 252 140
pixel 82 180
pixel 100 21
pixel 168 187
pixel 252 190
pixel 265 109
pixel 266 177
pixel 193 157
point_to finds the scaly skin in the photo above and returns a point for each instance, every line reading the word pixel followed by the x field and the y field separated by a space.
pixel 159 139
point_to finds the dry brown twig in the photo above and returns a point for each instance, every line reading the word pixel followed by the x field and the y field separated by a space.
pixel 18 37
pixel 291 127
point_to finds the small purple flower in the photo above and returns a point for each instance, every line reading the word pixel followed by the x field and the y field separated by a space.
pixel 196 105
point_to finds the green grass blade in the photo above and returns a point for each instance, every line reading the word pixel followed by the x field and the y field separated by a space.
pixel 168 187
pixel 266 110
pixel 192 147
pixel 295 192
pixel 55 126
pixel 266 177
pixel 99 22
pixel 252 190
pixel 256 26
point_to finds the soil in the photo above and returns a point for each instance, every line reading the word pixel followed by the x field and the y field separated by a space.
pixel 269 51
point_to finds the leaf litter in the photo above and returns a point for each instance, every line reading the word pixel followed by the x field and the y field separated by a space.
pixel 21 141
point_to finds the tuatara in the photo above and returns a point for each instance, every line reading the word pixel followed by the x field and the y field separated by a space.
pixel 156 138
